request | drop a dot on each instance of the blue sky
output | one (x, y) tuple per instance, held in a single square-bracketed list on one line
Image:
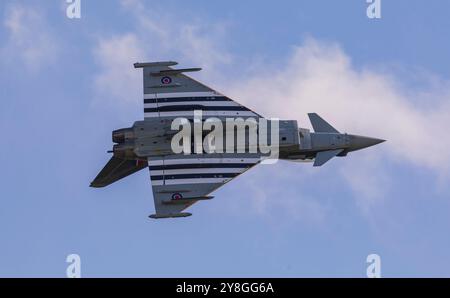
[(66, 84)]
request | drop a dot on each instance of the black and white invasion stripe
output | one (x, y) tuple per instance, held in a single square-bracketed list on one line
[(183, 104), (198, 170)]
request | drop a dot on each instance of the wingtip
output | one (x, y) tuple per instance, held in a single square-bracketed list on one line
[(154, 64), (95, 185), (170, 215)]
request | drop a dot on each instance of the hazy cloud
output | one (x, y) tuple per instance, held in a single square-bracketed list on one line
[(29, 39), (320, 77), (166, 36), (155, 38), (118, 80)]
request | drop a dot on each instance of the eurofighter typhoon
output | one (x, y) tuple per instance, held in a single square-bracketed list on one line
[(194, 139)]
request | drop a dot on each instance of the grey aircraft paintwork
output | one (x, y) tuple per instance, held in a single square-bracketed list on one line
[(179, 180)]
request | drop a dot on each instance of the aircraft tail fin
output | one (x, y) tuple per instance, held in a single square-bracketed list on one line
[(321, 125)]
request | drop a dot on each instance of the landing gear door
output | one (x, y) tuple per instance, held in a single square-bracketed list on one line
[(305, 139)]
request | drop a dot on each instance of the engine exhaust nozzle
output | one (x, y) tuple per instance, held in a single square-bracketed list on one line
[(122, 135)]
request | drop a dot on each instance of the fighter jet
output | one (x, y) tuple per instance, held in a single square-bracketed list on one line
[(180, 179)]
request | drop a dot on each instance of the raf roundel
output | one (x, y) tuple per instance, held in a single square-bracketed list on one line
[(177, 196), (166, 80)]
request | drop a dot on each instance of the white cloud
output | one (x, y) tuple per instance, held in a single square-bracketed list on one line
[(368, 179), (320, 78), (155, 38), (165, 35), (30, 40), (118, 79)]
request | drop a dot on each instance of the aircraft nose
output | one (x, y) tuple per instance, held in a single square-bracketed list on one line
[(360, 142)]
